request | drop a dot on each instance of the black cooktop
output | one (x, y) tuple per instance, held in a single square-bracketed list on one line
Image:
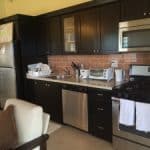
[(136, 89)]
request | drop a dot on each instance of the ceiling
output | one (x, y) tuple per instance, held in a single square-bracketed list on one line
[(34, 7)]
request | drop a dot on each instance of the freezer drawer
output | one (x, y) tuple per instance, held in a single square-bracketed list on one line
[(75, 109), (7, 84)]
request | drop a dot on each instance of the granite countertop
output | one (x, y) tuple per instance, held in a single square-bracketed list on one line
[(107, 85)]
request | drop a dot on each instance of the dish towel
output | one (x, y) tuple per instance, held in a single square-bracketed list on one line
[(143, 117), (127, 112)]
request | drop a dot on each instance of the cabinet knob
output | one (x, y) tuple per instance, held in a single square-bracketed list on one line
[(94, 51), (145, 13), (149, 13)]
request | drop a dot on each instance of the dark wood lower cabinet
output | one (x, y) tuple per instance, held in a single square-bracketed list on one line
[(48, 95), (100, 114), (29, 90)]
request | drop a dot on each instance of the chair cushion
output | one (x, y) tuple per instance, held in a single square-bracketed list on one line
[(29, 119), (8, 131)]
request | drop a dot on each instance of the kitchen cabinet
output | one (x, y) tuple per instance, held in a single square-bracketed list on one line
[(89, 31), (99, 29), (134, 9), (29, 90), (41, 37), (100, 113), (54, 34), (109, 20), (70, 33), (48, 95)]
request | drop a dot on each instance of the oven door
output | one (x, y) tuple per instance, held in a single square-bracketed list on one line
[(121, 133), (135, 38)]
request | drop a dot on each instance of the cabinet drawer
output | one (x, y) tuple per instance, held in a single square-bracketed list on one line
[(99, 129), (99, 106), (99, 118), (102, 130)]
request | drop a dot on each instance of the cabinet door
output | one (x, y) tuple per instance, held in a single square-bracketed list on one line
[(70, 33), (40, 94), (29, 90), (89, 32), (41, 37), (134, 9), (54, 101), (54, 35), (48, 95), (25, 33), (110, 15)]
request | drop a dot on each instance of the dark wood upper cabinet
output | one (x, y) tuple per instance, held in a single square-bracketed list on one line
[(92, 30), (70, 29), (109, 20), (134, 9), (54, 35), (41, 37), (89, 31)]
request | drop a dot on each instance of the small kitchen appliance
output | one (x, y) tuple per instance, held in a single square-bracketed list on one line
[(101, 74), (84, 73), (119, 75), (134, 35)]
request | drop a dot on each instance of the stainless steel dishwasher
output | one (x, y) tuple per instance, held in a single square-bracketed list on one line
[(75, 106)]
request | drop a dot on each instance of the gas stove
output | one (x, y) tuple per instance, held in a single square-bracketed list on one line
[(138, 87)]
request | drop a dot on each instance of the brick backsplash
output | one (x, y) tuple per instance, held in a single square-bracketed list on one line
[(59, 63)]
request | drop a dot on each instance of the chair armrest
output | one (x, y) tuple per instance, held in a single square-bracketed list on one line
[(34, 143)]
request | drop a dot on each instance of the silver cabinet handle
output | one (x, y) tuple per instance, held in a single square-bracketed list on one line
[(94, 51), (99, 94), (149, 13), (100, 127), (100, 109), (145, 13)]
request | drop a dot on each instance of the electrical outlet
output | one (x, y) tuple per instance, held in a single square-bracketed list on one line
[(114, 63)]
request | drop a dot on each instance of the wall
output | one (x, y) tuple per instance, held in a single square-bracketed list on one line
[(2, 8), (59, 63), (34, 7)]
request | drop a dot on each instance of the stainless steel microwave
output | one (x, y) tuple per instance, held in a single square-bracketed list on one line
[(134, 35)]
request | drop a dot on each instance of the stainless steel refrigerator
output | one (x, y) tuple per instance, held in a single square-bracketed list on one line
[(7, 64)]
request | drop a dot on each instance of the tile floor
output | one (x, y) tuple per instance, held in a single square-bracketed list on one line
[(67, 138)]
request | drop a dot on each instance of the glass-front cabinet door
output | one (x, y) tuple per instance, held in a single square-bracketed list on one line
[(69, 34)]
